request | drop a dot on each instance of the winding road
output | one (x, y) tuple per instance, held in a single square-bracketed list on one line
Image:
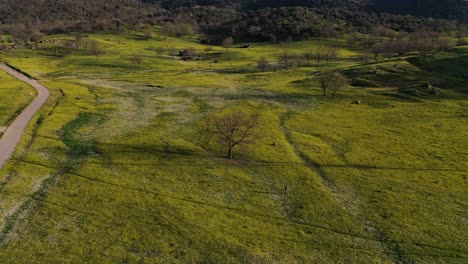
[(15, 130)]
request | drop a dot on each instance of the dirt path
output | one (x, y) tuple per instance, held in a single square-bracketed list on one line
[(15, 130)]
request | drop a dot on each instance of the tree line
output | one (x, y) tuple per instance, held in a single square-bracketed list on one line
[(247, 20)]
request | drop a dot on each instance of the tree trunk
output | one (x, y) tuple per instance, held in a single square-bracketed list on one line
[(324, 92), (229, 155)]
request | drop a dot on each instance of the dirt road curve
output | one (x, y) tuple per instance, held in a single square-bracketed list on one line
[(13, 133)]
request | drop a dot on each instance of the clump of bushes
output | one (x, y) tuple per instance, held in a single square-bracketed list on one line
[(427, 89)]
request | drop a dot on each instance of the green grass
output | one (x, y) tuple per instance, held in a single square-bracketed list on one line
[(14, 96), (116, 171)]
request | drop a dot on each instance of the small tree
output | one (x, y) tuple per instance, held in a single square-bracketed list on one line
[(148, 32), (228, 43), (287, 59), (96, 49), (137, 59), (330, 53), (263, 64), (364, 57), (232, 129), (308, 56), (334, 81), (324, 80), (319, 55), (337, 82)]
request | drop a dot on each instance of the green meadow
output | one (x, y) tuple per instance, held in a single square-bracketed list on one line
[(115, 169), (14, 96)]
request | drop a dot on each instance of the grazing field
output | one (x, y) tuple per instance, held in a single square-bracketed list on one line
[(115, 168), (14, 96)]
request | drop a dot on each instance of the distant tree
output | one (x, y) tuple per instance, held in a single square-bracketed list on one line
[(329, 53), (95, 49), (319, 55), (137, 59), (377, 49), (324, 80), (263, 64), (299, 60), (178, 29), (337, 82), (364, 57), (334, 81), (20, 33), (232, 129), (228, 43), (444, 44), (148, 32), (308, 56), (460, 35), (286, 59)]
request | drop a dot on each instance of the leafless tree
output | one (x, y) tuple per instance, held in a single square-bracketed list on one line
[(444, 44), (232, 129), (287, 59), (319, 54), (364, 57), (228, 43), (148, 32), (325, 80), (334, 81), (308, 56), (137, 59), (377, 49), (330, 53), (299, 60), (96, 49), (263, 64), (337, 82)]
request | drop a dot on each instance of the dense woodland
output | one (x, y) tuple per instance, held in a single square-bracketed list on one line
[(257, 20)]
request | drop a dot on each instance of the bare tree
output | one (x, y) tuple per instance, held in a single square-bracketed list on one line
[(330, 53), (263, 64), (337, 82), (20, 34), (232, 129), (287, 59), (334, 81), (228, 43), (96, 49), (137, 59), (364, 57), (148, 32), (299, 60), (444, 44), (377, 49), (308, 56), (319, 54), (325, 80)]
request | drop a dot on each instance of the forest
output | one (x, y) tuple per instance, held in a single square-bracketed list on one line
[(248, 20)]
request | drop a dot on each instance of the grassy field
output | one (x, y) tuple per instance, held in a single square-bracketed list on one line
[(14, 96), (114, 170)]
